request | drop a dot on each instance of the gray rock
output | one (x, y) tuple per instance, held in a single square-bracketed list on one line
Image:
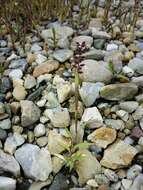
[(138, 183), (3, 134), (138, 114), (80, 39), (5, 124), (138, 81), (89, 92), (100, 34), (9, 164), (92, 118), (12, 142), (63, 43), (129, 106), (117, 92), (128, 71), (35, 162), (137, 65), (7, 183), (111, 47), (39, 185), (134, 171), (115, 123), (5, 85), (94, 54), (29, 82), (15, 74), (40, 58), (61, 32), (18, 64), (30, 113), (111, 175), (101, 179), (99, 43), (95, 72), (62, 55), (59, 117), (39, 130), (35, 48)]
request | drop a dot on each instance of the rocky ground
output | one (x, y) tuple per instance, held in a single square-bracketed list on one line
[(37, 105)]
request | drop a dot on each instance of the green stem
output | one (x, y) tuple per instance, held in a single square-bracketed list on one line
[(76, 102)]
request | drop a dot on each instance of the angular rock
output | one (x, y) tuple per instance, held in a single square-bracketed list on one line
[(57, 143), (40, 58), (45, 67), (95, 72), (29, 82), (89, 92), (12, 142), (117, 92), (103, 136), (15, 74), (80, 39), (59, 117), (118, 155), (100, 34), (63, 91), (115, 123), (138, 81), (35, 162), (5, 124), (18, 64), (92, 118), (62, 55), (9, 164), (7, 183), (87, 166), (19, 92), (30, 113)]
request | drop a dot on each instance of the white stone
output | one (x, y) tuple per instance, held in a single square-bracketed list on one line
[(40, 58), (29, 82), (15, 74), (111, 47), (128, 71), (7, 183), (92, 118), (39, 130)]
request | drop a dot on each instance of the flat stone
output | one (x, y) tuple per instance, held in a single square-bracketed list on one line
[(94, 71), (100, 34), (89, 92), (87, 166), (117, 92), (30, 113), (35, 162), (62, 55), (129, 106), (118, 155), (40, 58), (138, 81), (115, 123), (94, 54), (7, 183), (19, 64), (92, 118), (59, 117), (138, 183), (39, 130), (46, 67), (80, 39), (103, 136), (9, 164)]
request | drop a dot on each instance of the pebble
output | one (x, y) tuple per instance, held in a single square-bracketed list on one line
[(19, 92), (134, 171), (29, 82), (39, 130), (5, 124), (62, 55), (15, 74), (111, 47)]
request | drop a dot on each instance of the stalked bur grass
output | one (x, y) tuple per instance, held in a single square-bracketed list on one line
[(77, 69)]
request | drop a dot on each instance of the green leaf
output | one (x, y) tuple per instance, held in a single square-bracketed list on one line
[(82, 145)]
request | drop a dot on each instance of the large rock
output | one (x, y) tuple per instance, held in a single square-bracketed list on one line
[(118, 155), (103, 136), (92, 118), (9, 164), (35, 162), (57, 143), (60, 31), (117, 92), (7, 183), (89, 92), (94, 71), (30, 113), (80, 39), (59, 117), (62, 55), (45, 67), (137, 65), (87, 166)]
